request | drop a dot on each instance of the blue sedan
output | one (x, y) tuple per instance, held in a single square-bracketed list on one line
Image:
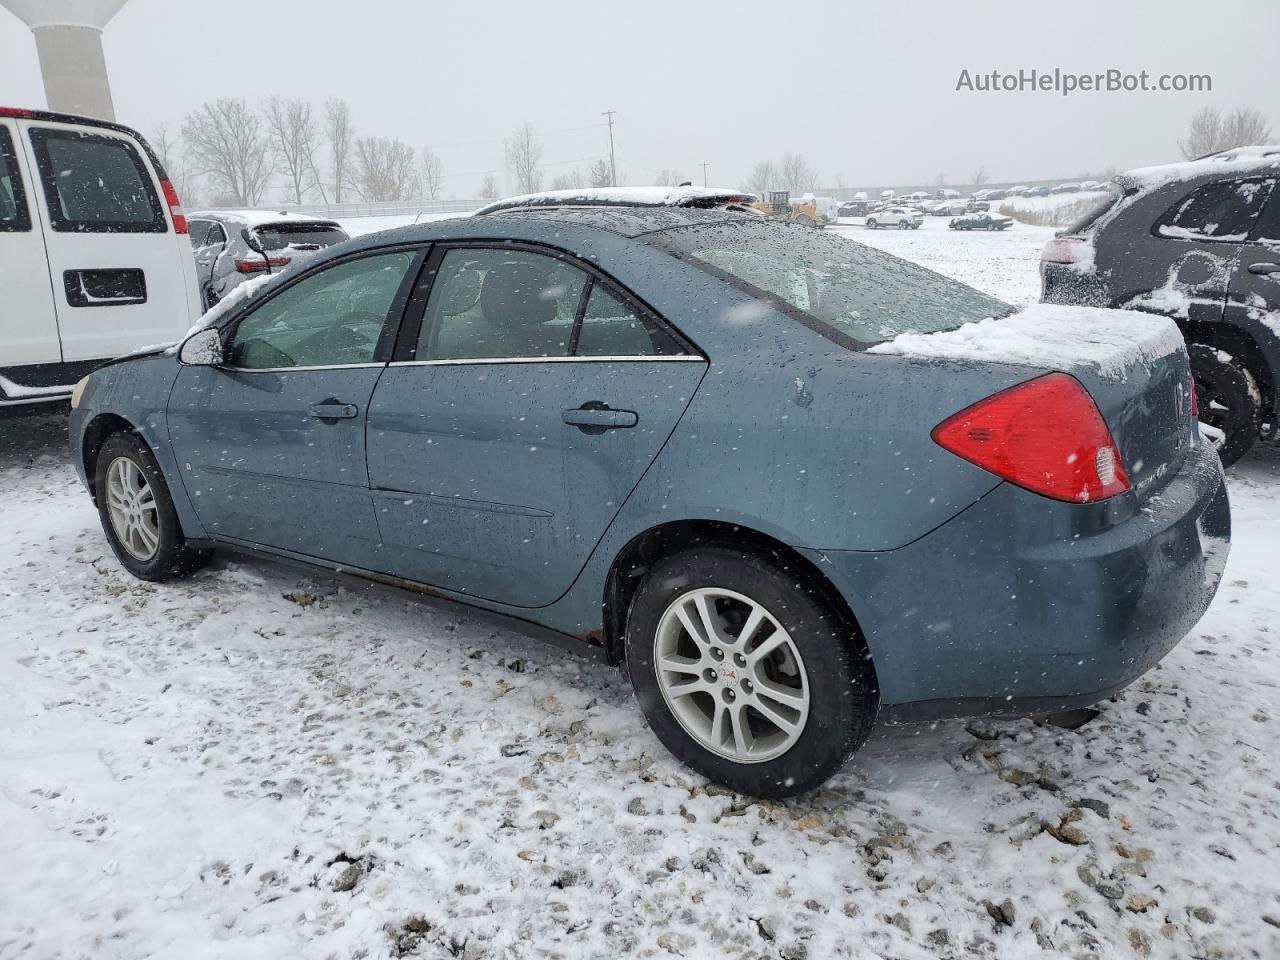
[(736, 455)]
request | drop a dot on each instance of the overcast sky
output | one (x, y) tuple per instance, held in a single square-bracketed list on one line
[(865, 90)]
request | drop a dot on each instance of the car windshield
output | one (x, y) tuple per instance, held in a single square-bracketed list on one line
[(856, 292), (277, 236)]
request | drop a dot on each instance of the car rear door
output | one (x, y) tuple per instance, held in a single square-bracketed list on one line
[(272, 441), (122, 277), (28, 321), (516, 420), (1253, 301)]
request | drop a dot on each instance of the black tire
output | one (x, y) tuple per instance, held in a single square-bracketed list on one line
[(841, 680), (1228, 398), (172, 557), (871, 223), (209, 298)]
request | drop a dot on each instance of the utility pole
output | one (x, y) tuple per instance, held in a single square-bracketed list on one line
[(613, 164), (705, 164)]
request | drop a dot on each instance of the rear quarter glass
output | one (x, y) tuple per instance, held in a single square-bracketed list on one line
[(854, 294)]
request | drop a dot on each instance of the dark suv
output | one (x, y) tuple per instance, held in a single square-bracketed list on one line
[(1199, 242)]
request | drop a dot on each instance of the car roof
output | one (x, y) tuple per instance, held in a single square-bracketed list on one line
[(257, 218), (681, 196), (1260, 158)]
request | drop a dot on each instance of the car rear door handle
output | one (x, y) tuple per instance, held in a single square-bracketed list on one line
[(334, 410), (1264, 268), (597, 417)]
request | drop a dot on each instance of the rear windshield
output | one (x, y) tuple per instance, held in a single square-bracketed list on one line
[(1093, 213), (858, 295), (276, 236)]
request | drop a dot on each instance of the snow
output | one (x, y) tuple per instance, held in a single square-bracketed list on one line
[(1239, 160), (16, 391), (182, 766), (1051, 335), (258, 218), (641, 196), (238, 295)]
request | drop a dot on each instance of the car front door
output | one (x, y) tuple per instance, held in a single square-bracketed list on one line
[(272, 441), (517, 419)]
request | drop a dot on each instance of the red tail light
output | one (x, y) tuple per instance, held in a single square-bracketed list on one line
[(1045, 435), (258, 265), (18, 112), (1195, 401), (1063, 250), (175, 207)]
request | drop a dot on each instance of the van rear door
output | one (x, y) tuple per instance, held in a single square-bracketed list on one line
[(122, 278), (28, 322)]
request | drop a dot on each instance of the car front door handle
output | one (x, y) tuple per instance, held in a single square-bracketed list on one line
[(597, 417), (1263, 269), (334, 410)]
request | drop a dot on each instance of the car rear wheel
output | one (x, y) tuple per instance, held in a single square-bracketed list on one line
[(871, 223), (904, 224), (745, 671), (137, 512), (1229, 401)]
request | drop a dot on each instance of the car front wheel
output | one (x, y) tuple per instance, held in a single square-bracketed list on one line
[(871, 223), (746, 672), (137, 512)]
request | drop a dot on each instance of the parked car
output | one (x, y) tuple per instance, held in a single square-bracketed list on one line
[(93, 258), (739, 540), (1065, 188), (902, 217), (854, 208), (994, 195), (975, 206), (230, 246), (981, 220), (950, 208), (1037, 192), (1199, 242), (1018, 190)]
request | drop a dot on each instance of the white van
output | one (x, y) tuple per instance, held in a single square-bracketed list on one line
[(94, 258)]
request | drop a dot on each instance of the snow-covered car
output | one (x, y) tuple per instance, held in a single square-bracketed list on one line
[(572, 419), (854, 208), (230, 246), (1071, 187), (951, 207), (94, 261), (981, 220), (904, 218), (1197, 241)]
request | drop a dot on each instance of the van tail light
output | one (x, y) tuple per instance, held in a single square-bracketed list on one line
[(175, 206), (258, 265), (1045, 435), (19, 112), (1064, 250)]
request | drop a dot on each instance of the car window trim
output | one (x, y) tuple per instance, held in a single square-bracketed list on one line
[(1163, 218), (22, 211), (40, 136), (390, 326), (407, 342)]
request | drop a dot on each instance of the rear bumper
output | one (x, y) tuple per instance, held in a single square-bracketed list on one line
[(1022, 604), (1064, 283)]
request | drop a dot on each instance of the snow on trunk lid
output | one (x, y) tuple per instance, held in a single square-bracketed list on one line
[(1134, 365)]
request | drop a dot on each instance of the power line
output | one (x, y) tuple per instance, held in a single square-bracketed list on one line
[(613, 166)]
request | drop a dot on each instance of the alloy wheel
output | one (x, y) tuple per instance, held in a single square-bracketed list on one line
[(131, 505), (731, 675)]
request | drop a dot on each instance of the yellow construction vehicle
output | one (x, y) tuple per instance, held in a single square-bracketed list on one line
[(780, 206)]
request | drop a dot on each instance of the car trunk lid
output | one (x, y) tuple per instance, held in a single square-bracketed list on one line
[(1134, 366)]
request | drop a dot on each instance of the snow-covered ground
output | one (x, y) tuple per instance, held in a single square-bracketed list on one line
[(263, 763)]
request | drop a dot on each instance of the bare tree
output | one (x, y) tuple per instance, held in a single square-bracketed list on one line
[(226, 140), (432, 173), (669, 178), (573, 180), (165, 145), (601, 174), (762, 178), (980, 176), (941, 180), (1212, 132), (524, 153), (383, 168), (796, 174), (489, 187), (341, 133), (293, 129)]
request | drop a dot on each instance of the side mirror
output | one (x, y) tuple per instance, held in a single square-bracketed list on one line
[(251, 241), (202, 349)]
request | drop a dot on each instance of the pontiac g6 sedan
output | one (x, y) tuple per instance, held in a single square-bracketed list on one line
[(792, 482)]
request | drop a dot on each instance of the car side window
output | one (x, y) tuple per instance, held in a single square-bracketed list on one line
[(216, 234), (96, 184), (610, 328), (500, 303), (14, 217), (198, 233), (1267, 229), (1225, 210), (333, 317)]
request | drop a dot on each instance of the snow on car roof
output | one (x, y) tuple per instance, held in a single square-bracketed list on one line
[(623, 197), (1238, 159), (258, 218)]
